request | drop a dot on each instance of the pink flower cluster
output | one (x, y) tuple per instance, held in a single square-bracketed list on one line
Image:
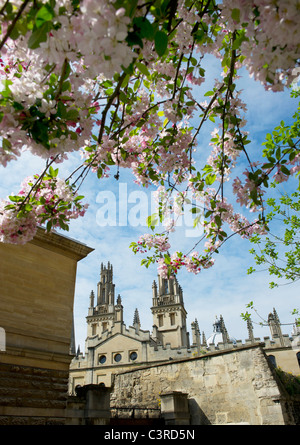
[(243, 192), (225, 213), (193, 263), (95, 72), (158, 242), (271, 47), (91, 45), (53, 201), (16, 230)]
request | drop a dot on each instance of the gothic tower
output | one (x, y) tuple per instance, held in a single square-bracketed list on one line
[(105, 313), (275, 326), (169, 314)]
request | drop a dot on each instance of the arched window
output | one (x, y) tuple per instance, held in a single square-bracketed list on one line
[(298, 357), (166, 289), (272, 360)]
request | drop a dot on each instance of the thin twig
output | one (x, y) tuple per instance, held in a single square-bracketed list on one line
[(13, 23)]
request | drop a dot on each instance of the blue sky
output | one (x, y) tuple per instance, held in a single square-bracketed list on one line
[(224, 289)]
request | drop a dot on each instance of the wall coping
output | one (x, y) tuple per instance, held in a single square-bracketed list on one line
[(205, 356), (60, 243)]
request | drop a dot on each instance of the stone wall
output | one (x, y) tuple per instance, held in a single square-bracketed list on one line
[(36, 315), (226, 387), (32, 396)]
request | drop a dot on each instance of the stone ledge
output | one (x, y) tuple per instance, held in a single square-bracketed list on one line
[(62, 244), (205, 356)]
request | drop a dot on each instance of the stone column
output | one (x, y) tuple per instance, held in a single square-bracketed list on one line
[(175, 408), (91, 406)]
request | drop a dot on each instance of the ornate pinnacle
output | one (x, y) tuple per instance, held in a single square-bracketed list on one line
[(136, 318)]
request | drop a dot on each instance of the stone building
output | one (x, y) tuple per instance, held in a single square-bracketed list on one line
[(113, 348), (164, 373), (36, 319)]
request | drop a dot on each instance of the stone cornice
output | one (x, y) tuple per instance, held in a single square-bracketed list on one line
[(61, 244)]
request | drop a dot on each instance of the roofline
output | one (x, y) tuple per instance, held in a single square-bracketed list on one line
[(61, 244)]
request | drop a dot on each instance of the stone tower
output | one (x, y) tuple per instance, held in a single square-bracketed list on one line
[(275, 327), (169, 314), (105, 313)]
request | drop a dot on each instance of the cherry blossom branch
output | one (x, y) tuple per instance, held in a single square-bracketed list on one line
[(108, 105), (13, 23)]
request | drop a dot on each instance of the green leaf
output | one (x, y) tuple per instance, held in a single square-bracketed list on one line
[(152, 220), (161, 42), (235, 14), (134, 39), (53, 172), (167, 259), (45, 14), (6, 92), (15, 198), (28, 207), (78, 198), (39, 35), (285, 170), (145, 27), (218, 220), (142, 68), (210, 179), (6, 144), (49, 225), (72, 115)]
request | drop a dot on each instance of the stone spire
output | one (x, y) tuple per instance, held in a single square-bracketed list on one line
[(154, 294), (224, 330), (92, 299), (196, 333), (106, 287), (275, 326), (250, 330), (103, 312), (119, 310), (136, 321), (136, 318)]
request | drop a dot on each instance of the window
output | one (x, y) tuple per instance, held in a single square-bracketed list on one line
[(172, 319), (160, 320), (94, 329), (104, 326), (166, 290), (117, 358), (298, 357), (272, 360), (102, 359), (133, 355)]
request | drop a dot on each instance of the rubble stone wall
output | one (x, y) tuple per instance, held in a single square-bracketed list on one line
[(227, 387)]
